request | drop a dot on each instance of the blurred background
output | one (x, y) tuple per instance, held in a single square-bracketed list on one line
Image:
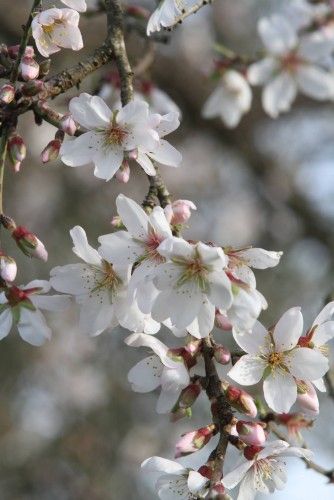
[(70, 428)]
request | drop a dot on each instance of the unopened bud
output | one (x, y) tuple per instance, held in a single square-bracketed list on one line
[(32, 87), (123, 173), (7, 94), (308, 399), (179, 211), (44, 67), (13, 51), (29, 68), (29, 243), (251, 451), (189, 395), (7, 222), (8, 268), (240, 400), (194, 440), (68, 125), (117, 223), (222, 321), (218, 492), (179, 413), (51, 151), (17, 151), (251, 433), (221, 354)]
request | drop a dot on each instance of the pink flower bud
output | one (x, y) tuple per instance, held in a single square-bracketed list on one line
[(194, 440), (251, 433), (179, 211), (240, 400), (51, 151), (8, 268), (308, 399), (29, 68), (13, 51), (68, 125), (189, 395), (116, 222), (29, 243), (222, 321), (7, 94), (17, 151), (221, 354), (32, 87), (123, 173)]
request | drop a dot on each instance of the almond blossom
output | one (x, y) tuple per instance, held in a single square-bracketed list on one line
[(100, 288), (292, 64), (163, 368), (176, 481), (166, 14), (264, 470), (230, 100), (54, 28), (275, 356), (113, 136), (20, 307), (191, 284), (138, 244)]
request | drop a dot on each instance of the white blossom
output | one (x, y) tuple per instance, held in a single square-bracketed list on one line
[(265, 472), (20, 307), (113, 136), (100, 288), (292, 64), (191, 284), (176, 482), (138, 244), (275, 356), (162, 369), (230, 100), (79, 5), (166, 14), (54, 28)]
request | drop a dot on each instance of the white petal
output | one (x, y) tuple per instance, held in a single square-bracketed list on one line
[(323, 333), (32, 327), (315, 47), (253, 342), (315, 82), (288, 330), (82, 248), (145, 163), (96, 314), (6, 321), (90, 111), (44, 285), (166, 154), (307, 364), (133, 217), (319, 384), (51, 302), (69, 279), (166, 401), (248, 370), (260, 258), (220, 293), (160, 349), (173, 379), (80, 150), (157, 464), (176, 247), (277, 34), (159, 222), (145, 375), (204, 322), (326, 314), (120, 248), (262, 71), (107, 162), (196, 481), (234, 477), (79, 5), (247, 487), (279, 94), (280, 391)]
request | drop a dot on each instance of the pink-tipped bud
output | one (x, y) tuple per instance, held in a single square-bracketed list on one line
[(251, 451), (123, 173), (222, 321), (179, 211), (7, 94), (189, 395), (68, 125), (8, 268), (29, 68), (117, 223), (32, 87), (218, 492), (308, 399), (194, 440), (251, 433), (221, 354), (51, 151), (179, 413), (29, 243), (17, 151), (13, 51), (240, 400)]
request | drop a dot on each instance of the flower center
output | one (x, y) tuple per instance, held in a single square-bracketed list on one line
[(290, 62), (48, 29), (276, 359), (152, 244), (194, 270), (114, 135)]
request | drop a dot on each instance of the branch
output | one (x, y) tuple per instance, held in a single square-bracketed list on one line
[(222, 414)]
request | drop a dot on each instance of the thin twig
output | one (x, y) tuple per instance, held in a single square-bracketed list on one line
[(3, 155)]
